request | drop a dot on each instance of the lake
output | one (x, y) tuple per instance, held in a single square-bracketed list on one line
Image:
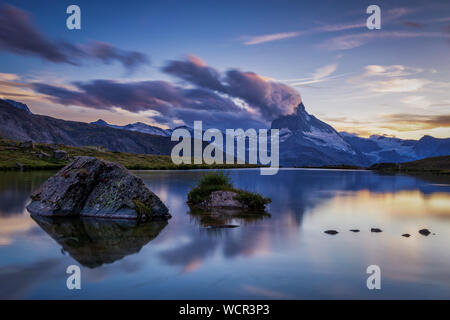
[(282, 255)]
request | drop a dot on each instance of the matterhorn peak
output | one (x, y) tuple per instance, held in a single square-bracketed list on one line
[(300, 108)]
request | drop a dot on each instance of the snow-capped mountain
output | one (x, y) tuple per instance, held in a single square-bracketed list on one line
[(191, 130), (389, 149), (304, 139), (138, 126), (308, 141)]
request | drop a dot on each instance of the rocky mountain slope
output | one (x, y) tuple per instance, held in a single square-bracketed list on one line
[(137, 126), (18, 124), (308, 141), (388, 149), (304, 139)]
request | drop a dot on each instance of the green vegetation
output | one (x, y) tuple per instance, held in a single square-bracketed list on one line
[(143, 211), (219, 181), (435, 165), (40, 157)]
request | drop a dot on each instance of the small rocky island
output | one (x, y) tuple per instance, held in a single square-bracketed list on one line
[(215, 190), (89, 187)]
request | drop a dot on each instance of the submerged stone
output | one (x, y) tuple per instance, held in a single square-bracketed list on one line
[(96, 188), (424, 232)]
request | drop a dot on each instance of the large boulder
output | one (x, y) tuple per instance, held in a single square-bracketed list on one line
[(96, 188), (27, 145), (60, 155)]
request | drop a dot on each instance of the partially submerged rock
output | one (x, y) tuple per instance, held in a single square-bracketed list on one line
[(354, 230), (424, 232), (376, 230), (332, 232), (96, 188), (215, 190), (223, 199), (406, 235)]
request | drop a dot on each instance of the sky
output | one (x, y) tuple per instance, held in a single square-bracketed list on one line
[(232, 63)]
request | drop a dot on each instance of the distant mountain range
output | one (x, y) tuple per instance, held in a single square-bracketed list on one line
[(18, 124), (388, 149), (304, 139), (143, 127), (138, 126)]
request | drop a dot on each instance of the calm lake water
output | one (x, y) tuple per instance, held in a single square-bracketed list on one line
[(282, 256)]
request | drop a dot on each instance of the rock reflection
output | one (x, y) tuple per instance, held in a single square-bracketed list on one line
[(225, 218), (94, 242)]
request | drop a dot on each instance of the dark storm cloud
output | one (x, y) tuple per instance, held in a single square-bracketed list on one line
[(19, 35), (204, 99), (211, 98), (171, 102), (220, 120), (108, 53), (270, 98), (66, 97), (108, 94), (195, 71), (132, 96)]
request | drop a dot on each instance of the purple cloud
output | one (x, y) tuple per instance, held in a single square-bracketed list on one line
[(171, 103), (195, 71), (19, 35), (270, 98)]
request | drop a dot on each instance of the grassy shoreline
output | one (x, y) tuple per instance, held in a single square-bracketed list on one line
[(433, 165), (14, 157)]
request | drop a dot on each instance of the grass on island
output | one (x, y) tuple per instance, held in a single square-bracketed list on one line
[(40, 157), (219, 181)]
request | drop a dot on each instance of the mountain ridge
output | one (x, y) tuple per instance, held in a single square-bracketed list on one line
[(17, 124), (304, 139)]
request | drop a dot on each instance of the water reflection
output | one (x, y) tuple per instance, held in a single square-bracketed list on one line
[(284, 255), (94, 242), (15, 189), (219, 218)]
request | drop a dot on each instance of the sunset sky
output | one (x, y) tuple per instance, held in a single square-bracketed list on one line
[(232, 63)]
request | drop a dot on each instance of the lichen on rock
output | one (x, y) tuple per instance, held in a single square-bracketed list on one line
[(92, 187)]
